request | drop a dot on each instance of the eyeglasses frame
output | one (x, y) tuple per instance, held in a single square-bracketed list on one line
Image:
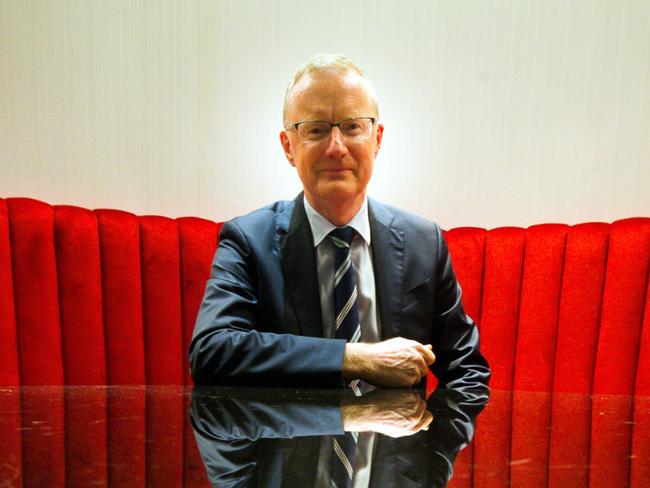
[(373, 120)]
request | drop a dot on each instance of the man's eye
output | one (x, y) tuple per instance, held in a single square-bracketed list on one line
[(351, 128), (316, 130)]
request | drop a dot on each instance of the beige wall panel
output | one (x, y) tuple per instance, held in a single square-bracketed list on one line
[(496, 112)]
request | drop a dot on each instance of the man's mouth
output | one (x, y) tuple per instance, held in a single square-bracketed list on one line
[(335, 170)]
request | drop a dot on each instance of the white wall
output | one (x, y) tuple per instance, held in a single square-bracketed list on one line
[(510, 112)]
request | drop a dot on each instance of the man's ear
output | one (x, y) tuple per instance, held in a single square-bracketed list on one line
[(286, 145), (380, 135)]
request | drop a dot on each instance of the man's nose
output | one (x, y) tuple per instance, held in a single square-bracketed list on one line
[(336, 147)]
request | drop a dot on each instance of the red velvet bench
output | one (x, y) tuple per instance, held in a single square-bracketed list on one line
[(105, 297)]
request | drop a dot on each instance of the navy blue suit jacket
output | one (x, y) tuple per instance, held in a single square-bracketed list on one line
[(260, 319)]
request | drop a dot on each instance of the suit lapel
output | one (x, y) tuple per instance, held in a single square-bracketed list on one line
[(298, 258), (387, 244)]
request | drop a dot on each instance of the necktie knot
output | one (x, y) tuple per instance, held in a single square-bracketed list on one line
[(342, 236)]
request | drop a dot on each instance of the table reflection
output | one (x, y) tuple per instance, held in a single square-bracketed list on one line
[(284, 439), (142, 436)]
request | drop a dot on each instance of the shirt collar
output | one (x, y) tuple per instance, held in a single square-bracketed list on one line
[(320, 226)]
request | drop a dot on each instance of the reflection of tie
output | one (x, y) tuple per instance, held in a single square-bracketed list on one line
[(346, 310), (344, 447)]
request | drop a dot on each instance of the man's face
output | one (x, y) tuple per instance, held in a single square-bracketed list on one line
[(335, 170)]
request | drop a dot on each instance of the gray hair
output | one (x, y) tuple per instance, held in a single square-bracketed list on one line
[(323, 62)]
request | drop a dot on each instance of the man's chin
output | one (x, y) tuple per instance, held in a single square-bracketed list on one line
[(338, 190), (345, 176)]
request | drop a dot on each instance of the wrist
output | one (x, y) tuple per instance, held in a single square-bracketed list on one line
[(355, 361)]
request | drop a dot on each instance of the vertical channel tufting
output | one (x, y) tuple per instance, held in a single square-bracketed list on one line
[(119, 236), (36, 292), (623, 301), (579, 318), (617, 353), (198, 242), (538, 312), (640, 465), (642, 387), (39, 339), (467, 249), (535, 353), (504, 257), (504, 250), (163, 339), (9, 370), (80, 295), (10, 433), (161, 289), (76, 238), (580, 306)]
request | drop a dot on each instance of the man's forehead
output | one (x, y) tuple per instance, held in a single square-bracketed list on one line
[(327, 90)]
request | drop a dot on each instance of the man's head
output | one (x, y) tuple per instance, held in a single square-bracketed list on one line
[(334, 165)]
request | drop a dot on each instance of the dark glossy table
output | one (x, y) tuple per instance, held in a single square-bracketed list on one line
[(160, 436)]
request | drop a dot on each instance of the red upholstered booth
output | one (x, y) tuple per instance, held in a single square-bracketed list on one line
[(105, 297)]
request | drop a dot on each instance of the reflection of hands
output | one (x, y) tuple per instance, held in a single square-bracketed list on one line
[(395, 413), (395, 362)]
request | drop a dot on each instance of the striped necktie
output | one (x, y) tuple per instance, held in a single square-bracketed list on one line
[(348, 327), (346, 310)]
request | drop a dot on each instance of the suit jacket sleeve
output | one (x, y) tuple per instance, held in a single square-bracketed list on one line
[(459, 362), (230, 345)]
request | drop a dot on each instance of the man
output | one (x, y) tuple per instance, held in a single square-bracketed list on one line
[(333, 287)]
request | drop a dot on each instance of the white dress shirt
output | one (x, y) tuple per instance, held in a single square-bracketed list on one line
[(363, 272)]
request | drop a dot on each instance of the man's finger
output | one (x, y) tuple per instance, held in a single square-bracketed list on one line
[(422, 366), (427, 352)]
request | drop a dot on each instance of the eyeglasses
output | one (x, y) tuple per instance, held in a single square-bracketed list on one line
[(352, 130)]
